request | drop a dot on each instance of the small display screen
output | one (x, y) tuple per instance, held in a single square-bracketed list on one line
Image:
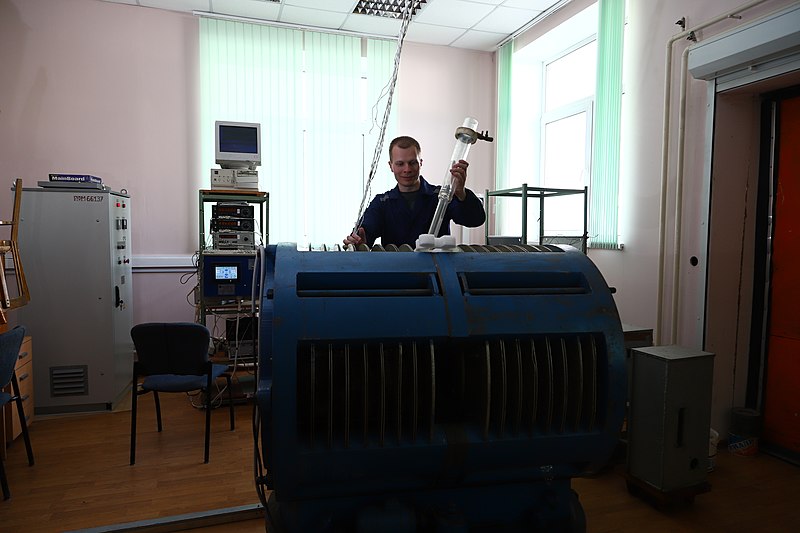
[(226, 272), (238, 139)]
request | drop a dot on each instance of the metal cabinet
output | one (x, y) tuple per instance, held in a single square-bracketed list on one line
[(670, 417), (76, 248)]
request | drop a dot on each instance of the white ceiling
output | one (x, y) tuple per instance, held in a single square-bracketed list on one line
[(471, 24)]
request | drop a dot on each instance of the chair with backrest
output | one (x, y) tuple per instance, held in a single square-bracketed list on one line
[(173, 357), (10, 343)]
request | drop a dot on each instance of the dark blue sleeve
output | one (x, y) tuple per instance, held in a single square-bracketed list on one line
[(373, 220), (468, 212)]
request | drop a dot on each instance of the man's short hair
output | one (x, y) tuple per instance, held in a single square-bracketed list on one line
[(404, 141)]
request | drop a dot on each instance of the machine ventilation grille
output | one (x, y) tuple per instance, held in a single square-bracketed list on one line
[(386, 8), (390, 394), (69, 380)]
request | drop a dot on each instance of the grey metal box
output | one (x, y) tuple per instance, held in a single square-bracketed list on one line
[(75, 246), (670, 416)]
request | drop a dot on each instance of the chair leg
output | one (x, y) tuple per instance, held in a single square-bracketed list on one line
[(23, 424), (4, 481), (208, 413), (134, 402), (230, 400), (158, 410)]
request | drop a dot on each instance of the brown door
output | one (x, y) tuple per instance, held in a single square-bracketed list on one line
[(782, 391)]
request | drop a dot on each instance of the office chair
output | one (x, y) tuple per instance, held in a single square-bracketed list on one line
[(10, 343), (173, 357)]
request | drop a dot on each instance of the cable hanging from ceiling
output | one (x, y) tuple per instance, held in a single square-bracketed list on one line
[(408, 12)]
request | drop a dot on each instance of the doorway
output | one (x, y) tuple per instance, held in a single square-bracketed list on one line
[(774, 386)]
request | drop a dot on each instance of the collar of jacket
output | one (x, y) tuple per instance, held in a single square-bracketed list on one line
[(424, 188)]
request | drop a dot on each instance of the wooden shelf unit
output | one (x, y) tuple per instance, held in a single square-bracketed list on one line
[(10, 427)]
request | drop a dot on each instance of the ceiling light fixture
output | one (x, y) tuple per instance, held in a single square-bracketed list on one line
[(387, 8)]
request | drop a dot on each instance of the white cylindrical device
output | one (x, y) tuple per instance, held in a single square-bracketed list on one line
[(465, 137)]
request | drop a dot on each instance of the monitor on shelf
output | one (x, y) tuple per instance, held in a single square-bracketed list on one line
[(237, 144), (226, 273)]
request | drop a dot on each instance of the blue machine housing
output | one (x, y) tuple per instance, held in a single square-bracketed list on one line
[(405, 391)]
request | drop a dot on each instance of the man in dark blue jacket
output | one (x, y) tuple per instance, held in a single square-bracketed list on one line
[(400, 215)]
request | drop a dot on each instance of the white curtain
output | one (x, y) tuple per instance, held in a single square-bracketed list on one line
[(313, 94)]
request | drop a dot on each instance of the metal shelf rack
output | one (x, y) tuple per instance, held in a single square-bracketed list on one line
[(526, 193), (207, 197)]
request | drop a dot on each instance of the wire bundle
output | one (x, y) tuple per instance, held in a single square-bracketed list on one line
[(389, 92)]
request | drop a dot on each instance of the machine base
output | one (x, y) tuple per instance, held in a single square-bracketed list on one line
[(661, 499), (547, 506)]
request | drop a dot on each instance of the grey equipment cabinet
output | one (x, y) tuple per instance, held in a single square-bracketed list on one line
[(75, 245), (670, 417)]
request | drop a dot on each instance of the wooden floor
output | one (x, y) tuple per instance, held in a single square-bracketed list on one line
[(82, 479)]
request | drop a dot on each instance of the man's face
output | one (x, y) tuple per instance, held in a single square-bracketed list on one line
[(405, 165)]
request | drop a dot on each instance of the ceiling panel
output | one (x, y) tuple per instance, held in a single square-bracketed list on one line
[(473, 24), (430, 34), (478, 40), (372, 25), (454, 13), (178, 5), (536, 5), (305, 16), (342, 6), (257, 9), (505, 20)]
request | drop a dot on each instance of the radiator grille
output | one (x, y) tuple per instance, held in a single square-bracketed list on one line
[(374, 394), (69, 380), (388, 394)]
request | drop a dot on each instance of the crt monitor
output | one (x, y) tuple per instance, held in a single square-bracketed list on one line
[(237, 144)]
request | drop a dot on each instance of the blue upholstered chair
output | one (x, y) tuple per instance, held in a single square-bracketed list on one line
[(173, 357), (10, 343)]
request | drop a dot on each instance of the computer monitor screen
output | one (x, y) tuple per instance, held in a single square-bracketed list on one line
[(237, 144), (226, 272)]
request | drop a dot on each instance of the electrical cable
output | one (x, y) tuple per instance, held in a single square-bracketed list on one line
[(407, 14), (258, 466), (186, 276)]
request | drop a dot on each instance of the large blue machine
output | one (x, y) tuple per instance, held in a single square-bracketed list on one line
[(447, 392)]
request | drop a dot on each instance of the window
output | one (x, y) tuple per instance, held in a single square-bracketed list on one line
[(313, 94), (558, 104)]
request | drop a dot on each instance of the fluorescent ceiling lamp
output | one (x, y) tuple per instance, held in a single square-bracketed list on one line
[(387, 8)]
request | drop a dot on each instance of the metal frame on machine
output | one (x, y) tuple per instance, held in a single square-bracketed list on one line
[(525, 193)]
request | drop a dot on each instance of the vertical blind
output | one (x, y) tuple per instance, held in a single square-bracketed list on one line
[(504, 56), (604, 192), (504, 70), (312, 93)]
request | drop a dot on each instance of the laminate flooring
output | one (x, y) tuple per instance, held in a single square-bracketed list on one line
[(82, 479)]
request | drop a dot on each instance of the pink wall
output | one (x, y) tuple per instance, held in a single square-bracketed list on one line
[(112, 90), (634, 271), (108, 90), (432, 102)]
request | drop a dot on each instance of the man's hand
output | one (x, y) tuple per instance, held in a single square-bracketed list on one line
[(356, 238), (459, 173)]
